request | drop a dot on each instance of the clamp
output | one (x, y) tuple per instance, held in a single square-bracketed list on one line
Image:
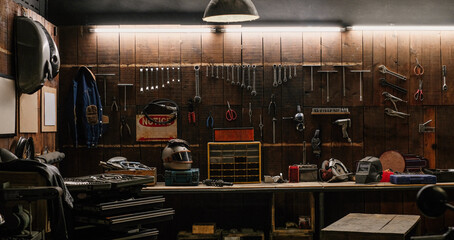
[(393, 99), (424, 129)]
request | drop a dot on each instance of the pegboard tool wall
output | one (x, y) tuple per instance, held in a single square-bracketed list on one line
[(372, 131), (8, 11)]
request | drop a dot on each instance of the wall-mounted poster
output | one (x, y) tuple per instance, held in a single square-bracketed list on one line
[(7, 107), (48, 109)]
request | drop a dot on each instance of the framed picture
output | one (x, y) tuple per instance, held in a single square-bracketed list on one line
[(48, 109), (7, 107)]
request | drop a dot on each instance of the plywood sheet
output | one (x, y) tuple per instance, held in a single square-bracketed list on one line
[(28, 113)]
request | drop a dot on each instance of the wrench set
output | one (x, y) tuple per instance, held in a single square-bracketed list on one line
[(151, 76), (280, 73)]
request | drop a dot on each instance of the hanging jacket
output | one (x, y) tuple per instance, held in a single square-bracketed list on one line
[(86, 118)]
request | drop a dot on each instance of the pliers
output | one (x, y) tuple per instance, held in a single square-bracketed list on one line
[(124, 124), (191, 113), (272, 106), (114, 106), (210, 121)]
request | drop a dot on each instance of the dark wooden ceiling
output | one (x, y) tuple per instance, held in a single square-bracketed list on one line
[(281, 12)]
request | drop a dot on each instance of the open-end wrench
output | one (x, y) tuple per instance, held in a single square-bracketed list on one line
[(294, 70), (285, 73), (162, 77), (141, 80), (289, 72), (238, 70), (197, 97), (222, 71), (151, 81), (360, 82), (178, 74), (233, 75), (274, 76), (249, 87), (253, 92), (227, 73), (217, 71), (157, 78), (168, 77), (384, 83), (385, 70), (207, 70), (243, 84), (279, 79), (212, 70), (443, 72), (173, 74)]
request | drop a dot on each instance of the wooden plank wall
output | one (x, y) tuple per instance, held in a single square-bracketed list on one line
[(9, 10), (372, 131)]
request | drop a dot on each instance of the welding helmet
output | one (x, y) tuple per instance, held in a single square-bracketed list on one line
[(176, 155)]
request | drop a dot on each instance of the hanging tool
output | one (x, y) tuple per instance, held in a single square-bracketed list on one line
[(217, 71), (393, 99), (443, 73), (114, 106), (384, 83), (222, 71), (104, 77), (385, 70), (197, 97), (272, 113), (312, 75), (360, 82), (418, 69), (250, 113), (393, 113), (178, 74), (279, 79), (290, 72), (294, 70), (233, 75), (173, 74), (191, 113), (150, 76), (230, 115), (275, 84), (249, 87), (253, 92), (227, 73), (238, 71), (261, 128), (210, 121), (327, 81), (243, 84), (124, 124), (285, 73), (316, 144), (207, 70), (419, 94), (141, 79), (423, 128), (212, 70), (343, 78), (125, 85), (298, 118), (304, 153), (168, 77), (345, 123), (162, 77), (157, 78)]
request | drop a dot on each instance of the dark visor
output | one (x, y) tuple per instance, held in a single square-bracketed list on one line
[(182, 157)]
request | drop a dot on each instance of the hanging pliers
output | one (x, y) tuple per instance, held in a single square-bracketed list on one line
[(126, 125), (210, 121)]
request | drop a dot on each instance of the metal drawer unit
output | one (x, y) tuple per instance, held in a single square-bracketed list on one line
[(237, 162)]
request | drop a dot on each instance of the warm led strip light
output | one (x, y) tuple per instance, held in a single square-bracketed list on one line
[(151, 30), (285, 29), (401, 28)]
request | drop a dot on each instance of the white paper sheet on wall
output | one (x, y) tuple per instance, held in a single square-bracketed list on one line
[(49, 106), (7, 106)]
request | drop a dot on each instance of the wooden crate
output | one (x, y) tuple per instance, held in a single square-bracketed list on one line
[(356, 226)]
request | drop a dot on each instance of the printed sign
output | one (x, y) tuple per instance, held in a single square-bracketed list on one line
[(149, 131)]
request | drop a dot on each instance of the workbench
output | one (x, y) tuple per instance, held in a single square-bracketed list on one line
[(314, 188)]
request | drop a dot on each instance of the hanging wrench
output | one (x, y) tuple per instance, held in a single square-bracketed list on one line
[(279, 79), (384, 83), (222, 71), (274, 76), (384, 70), (233, 74), (151, 80), (249, 87), (141, 80), (168, 78), (243, 85), (443, 71), (227, 73), (294, 70), (254, 92), (162, 77), (238, 70), (173, 74), (217, 71), (178, 74), (285, 74), (157, 78), (289, 72), (207, 70), (197, 97), (212, 70)]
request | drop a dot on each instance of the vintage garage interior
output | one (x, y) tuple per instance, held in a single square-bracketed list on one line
[(226, 119)]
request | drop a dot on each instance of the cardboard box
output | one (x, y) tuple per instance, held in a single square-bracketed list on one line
[(151, 172), (203, 228)]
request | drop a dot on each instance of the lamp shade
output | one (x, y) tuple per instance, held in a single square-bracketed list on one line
[(230, 11)]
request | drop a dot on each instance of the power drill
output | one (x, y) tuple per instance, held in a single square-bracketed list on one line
[(346, 122)]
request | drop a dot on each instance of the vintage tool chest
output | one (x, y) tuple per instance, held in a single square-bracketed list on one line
[(237, 162)]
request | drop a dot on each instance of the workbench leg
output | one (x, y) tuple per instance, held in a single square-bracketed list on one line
[(321, 210)]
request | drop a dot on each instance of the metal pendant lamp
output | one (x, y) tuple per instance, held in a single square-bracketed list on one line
[(230, 11)]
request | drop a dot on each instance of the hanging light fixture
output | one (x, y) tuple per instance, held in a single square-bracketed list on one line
[(230, 11)]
